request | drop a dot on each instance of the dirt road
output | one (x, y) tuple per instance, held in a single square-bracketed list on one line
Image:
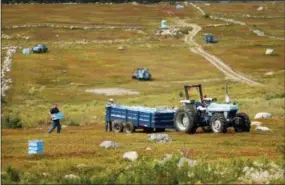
[(218, 63)]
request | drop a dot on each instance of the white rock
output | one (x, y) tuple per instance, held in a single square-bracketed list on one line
[(269, 51), (132, 155), (260, 8), (71, 176), (185, 160), (109, 144), (262, 115), (262, 128), (148, 149), (256, 123), (121, 48), (81, 165), (159, 137), (269, 73), (45, 174)]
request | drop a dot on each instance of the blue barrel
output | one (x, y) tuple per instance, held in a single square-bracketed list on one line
[(163, 24), (36, 147), (209, 38)]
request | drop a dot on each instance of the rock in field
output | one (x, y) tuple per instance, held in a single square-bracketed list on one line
[(185, 160), (159, 137), (260, 8), (71, 176), (132, 155), (109, 144), (269, 51), (263, 115), (256, 123), (259, 128)]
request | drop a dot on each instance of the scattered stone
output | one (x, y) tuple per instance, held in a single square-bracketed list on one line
[(256, 123), (171, 31), (159, 137), (259, 33), (260, 8), (71, 176), (109, 144), (185, 160), (207, 4), (148, 149), (81, 165), (263, 115), (269, 51), (122, 47), (269, 73), (259, 128), (45, 174), (63, 126), (165, 158), (132, 156)]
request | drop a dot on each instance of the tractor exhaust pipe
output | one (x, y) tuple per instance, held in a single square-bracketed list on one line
[(227, 98)]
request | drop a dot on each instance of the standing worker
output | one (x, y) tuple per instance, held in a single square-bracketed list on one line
[(55, 120)]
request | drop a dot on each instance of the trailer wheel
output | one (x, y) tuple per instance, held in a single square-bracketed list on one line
[(117, 126), (218, 123), (242, 123), (184, 121), (129, 127)]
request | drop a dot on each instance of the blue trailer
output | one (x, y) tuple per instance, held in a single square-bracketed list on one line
[(121, 118)]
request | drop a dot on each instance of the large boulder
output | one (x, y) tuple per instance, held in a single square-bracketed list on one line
[(132, 155), (109, 144), (159, 137), (185, 160), (261, 115)]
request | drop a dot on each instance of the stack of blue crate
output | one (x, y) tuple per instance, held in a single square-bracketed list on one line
[(36, 147)]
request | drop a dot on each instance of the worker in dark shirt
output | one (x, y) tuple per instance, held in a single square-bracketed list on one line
[(55, 122)]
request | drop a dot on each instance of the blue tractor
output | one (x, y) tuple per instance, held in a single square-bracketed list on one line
[(209, 38), (142, 74), (211, 116), (40, 48)]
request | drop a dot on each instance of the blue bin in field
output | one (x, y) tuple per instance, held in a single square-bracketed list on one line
[(57, 116), (35, 147), (163, 24)]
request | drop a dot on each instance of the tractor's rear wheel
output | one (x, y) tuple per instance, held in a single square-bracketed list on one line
[(129, 127), (218, 123), (184, 121), (242, 123), (117, 126)]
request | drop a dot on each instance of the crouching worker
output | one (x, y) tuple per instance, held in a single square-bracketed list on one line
[(56, 115)]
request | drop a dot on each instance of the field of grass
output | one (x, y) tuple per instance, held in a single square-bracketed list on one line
[(81, 59)]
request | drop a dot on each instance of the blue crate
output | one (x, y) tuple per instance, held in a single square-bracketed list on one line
[(35, 147), (57, 116)]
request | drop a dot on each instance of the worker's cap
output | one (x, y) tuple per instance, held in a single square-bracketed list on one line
[(111, 100)]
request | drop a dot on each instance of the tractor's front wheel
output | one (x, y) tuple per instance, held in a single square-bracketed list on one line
[(242, 123), (218, 123), (184, 121)]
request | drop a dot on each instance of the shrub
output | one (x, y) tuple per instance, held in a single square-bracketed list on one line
[(275, 96), (207, 15), (71, 123), (13, 174), (11, 121)]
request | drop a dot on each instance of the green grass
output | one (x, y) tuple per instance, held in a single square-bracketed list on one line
[(64, 73)]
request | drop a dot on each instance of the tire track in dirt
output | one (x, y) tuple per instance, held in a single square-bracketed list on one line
[(218, 63)]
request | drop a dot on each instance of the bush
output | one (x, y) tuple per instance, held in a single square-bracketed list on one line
[(13, 174), (11, 121), (71, 123), (185, 30), (207, 15), (275, 96)]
